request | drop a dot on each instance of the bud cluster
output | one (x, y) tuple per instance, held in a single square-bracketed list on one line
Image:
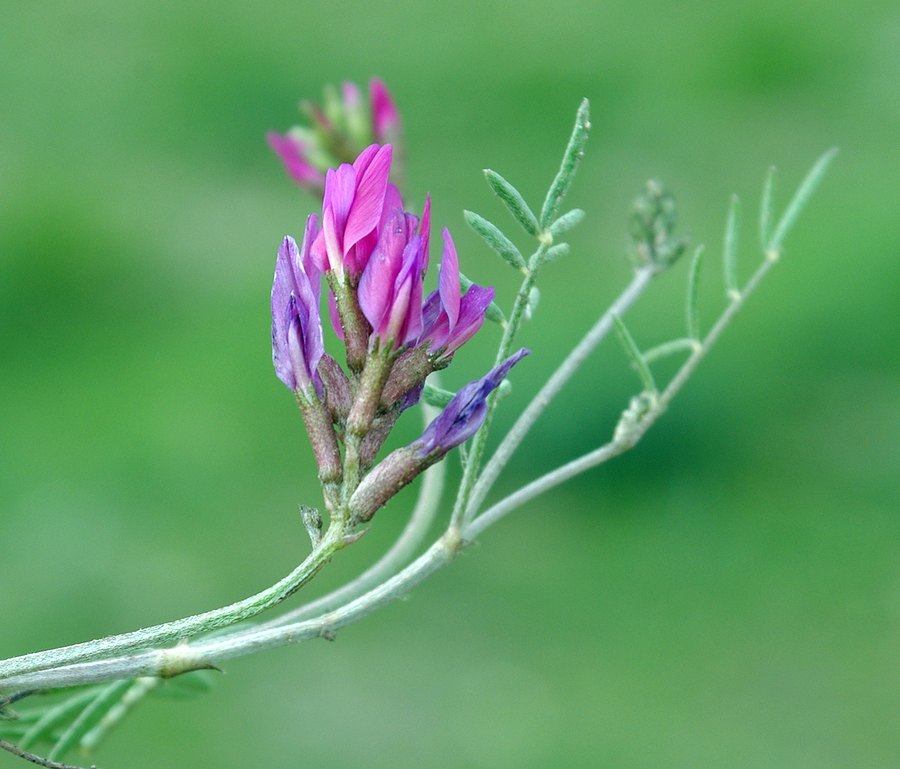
[(373, 254), (652, 224)]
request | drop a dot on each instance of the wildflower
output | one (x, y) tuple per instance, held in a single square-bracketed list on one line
[(390, 290), (449, 321), (297, 343), (465, 413), (339, 130), (351, 211), (293, 149), (458, 422)]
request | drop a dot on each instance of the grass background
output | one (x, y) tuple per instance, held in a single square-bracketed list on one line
[(726, 595)]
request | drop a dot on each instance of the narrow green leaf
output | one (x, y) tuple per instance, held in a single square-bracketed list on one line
[(566, 222), (637, 359), (139, 689), (103, 702), (55, 716), (693, 314), (556, 252), (436, 396), (534, 299), (571, 159), (666, 349), (513, 200), (801, 197), (491, 235), (493, 312), (730, 247), (765, 207)]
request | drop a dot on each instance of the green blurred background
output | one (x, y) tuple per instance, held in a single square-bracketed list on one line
[(728, 595)]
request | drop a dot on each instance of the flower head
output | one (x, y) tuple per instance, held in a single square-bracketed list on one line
[(297, 343), (294, 150), (352, 211), (338, 131)]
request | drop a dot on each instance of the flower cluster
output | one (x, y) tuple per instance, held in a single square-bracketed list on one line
[(338, 130), (374, 255)]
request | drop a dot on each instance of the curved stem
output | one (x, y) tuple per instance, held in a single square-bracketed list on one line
[(187, 627), (161, 662), (473, 460), (626, 441), (410, 539), (551, 389)]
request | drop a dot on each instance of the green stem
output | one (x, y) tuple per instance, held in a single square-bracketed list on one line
[(187, 627), (479, 442)]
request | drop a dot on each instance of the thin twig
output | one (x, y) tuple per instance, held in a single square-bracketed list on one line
[(400, 552), (551, 389), (35, 759)]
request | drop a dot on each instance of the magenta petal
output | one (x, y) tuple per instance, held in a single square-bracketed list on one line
[(369, 198), (385, 117), (364, 159), (376, 287), (343, 185), (448, 281), (331, 236), (425, 230), (293, 155), (471, 316)]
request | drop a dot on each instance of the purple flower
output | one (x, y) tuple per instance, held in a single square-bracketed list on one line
[(297, 343), (462, 417), (337, 132), (449, 321), (352, 211), (459, 421), (390, 290), (294, 153)]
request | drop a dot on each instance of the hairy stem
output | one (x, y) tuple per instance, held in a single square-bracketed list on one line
[(181, 629), (552, 387)]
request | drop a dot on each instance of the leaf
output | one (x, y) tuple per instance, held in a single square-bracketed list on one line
[(513, 200), (637, 359), (693, 315), (566, 222), (556, 252), (436, 396), (54, 716), (103, 701), (139, 689), (798, 202), (491, 235), (570, 162), (729, 248)]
